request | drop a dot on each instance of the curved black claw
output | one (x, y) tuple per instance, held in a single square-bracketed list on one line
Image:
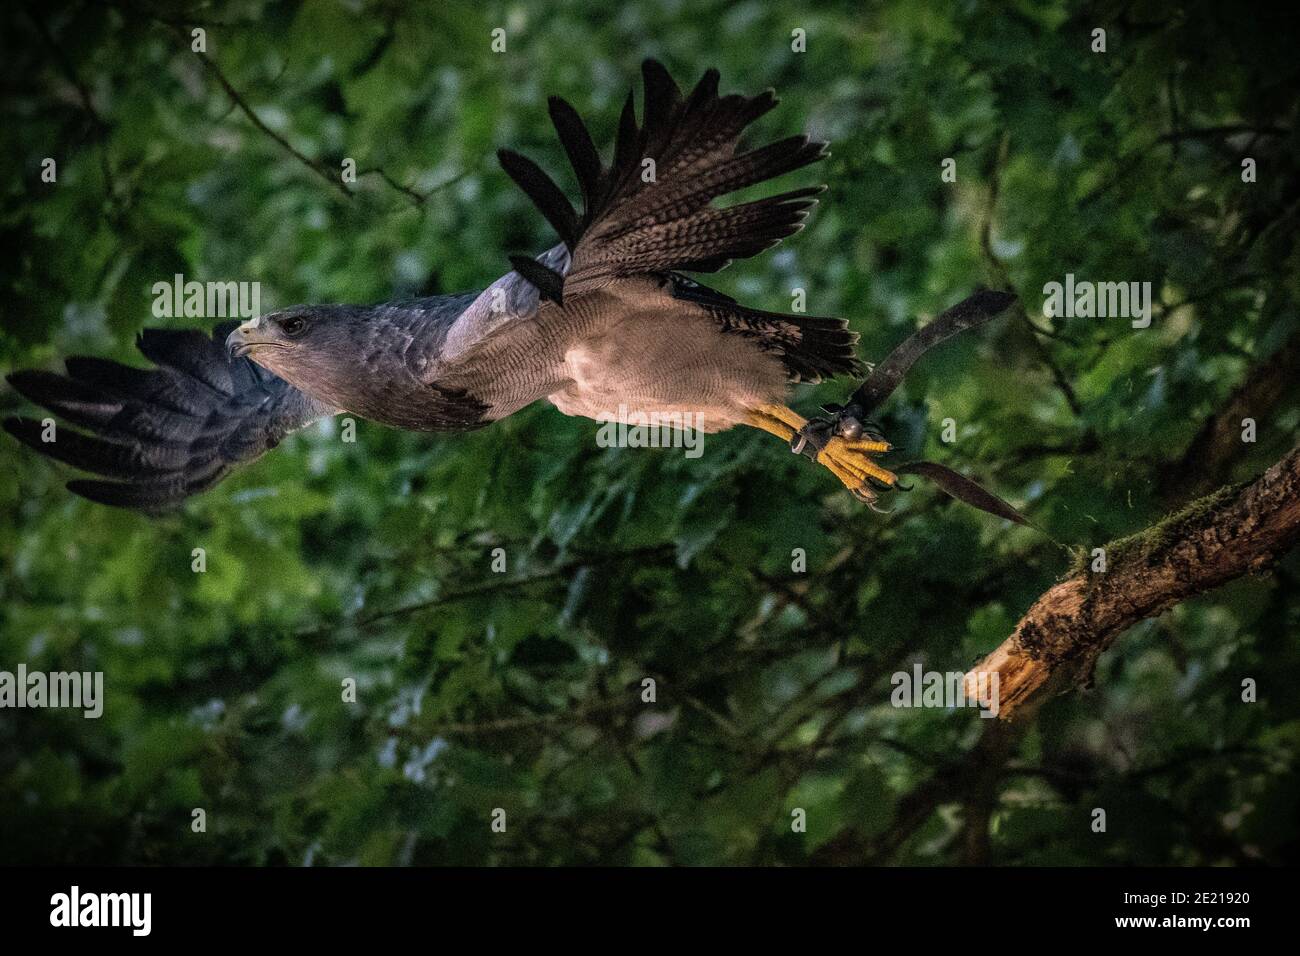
[(879, 484), (869, 493), (865, 495), (868, 497)]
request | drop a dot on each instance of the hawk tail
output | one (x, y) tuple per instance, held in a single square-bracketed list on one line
[(651, 210)]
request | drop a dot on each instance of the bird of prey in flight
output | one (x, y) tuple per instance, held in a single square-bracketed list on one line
[(607, 319)]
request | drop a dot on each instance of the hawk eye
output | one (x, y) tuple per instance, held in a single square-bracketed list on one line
[(293, 325)]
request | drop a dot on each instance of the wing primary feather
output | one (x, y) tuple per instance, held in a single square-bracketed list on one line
[(579, 147), (541, 189), (662, 98), (548, 282), (164, 433), (633, 224), (624, 141)]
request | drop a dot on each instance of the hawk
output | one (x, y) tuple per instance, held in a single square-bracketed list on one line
[(606, 323)]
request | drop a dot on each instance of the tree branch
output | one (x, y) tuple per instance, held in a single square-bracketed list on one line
[(1234, 531), (416, 197), (487, 585), (978, 769), (1217, 445)]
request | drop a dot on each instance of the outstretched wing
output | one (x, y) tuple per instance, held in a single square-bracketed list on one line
[(651, 213), (651, 210), (163, 433)]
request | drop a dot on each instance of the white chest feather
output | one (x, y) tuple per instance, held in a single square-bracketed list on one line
[(671, 367)]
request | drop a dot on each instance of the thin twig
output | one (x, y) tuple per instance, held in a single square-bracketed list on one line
[(248, 111)]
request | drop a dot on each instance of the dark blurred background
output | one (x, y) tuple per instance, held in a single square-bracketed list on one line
[(522, 690)]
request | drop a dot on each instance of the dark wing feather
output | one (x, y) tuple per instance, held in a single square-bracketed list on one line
[(630, 226), (578, 146), (811, 347), (546, 196), (546, 280), (164, 433)]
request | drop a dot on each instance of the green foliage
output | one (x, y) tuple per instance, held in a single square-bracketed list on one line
[(523, 690)]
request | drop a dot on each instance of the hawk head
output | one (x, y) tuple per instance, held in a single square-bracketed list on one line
[(320, 349), (370, 361)]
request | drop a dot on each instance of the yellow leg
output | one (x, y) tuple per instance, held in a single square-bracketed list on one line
[(847, 459), (761, 417), (787, 416)]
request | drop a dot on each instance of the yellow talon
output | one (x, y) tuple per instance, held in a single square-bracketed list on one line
[(865, 445), (840, 465), (848, 459), (850, 478), (854, 456)]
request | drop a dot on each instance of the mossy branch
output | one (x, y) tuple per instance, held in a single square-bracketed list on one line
[(1237, 530)]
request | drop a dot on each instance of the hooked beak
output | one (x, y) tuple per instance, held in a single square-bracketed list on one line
[(244, 339)]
